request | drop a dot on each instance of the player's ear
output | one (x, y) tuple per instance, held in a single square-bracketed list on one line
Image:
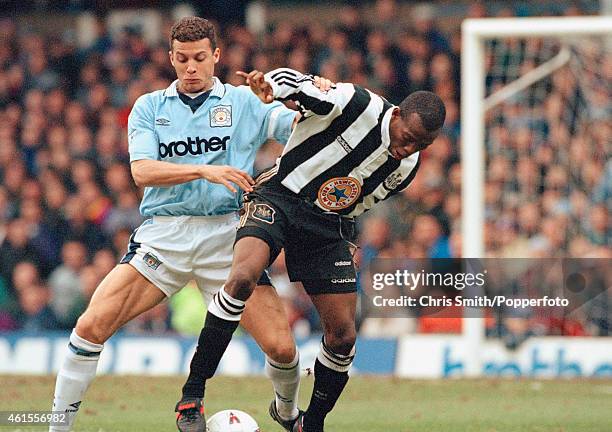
[(217, 54), (171, 58)]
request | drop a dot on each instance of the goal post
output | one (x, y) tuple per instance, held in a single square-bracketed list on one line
[(474, 34), (474, 106)]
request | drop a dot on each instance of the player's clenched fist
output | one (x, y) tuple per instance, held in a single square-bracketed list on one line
[(322, 83), (226, 175)]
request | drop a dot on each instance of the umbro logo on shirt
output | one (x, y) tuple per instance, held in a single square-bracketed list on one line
[(162, 122)]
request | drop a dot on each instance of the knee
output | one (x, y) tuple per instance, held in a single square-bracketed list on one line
[(91, 328), (341, 339), (240, 285), (282, 352)]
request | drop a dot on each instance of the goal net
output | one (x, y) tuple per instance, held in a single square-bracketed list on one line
[(537, 135), (536, 140)]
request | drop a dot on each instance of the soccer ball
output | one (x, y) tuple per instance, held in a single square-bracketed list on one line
[(232, 421)]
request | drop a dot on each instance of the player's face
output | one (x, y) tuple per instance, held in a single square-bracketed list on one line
[(194, 63), (408, 136)]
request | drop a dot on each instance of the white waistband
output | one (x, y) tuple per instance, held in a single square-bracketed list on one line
[(196, 219)]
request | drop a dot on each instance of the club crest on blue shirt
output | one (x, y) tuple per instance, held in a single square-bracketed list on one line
[(221, 116), (151, 260), (339, 193)]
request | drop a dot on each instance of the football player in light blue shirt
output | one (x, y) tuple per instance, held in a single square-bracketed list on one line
[(192, 146), (227, 129)]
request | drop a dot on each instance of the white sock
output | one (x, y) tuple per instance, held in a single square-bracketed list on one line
[(74, 377), (286, 381)]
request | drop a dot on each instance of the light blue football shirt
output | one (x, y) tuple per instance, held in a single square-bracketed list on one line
[(228, 129)]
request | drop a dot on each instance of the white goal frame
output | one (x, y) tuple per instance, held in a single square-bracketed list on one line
[(473, 108)]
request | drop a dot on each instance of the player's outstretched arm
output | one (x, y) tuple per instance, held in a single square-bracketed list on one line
[(256, 81), (147, 172), (289, 84), (313, 93)]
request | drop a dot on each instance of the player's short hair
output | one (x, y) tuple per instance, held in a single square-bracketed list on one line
[(191, 29), (428, 106)]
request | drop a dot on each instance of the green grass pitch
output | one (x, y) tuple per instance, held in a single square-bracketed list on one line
[(135, 404)]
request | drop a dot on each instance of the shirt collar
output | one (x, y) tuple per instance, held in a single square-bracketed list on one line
[(218, 89), (386, 140)]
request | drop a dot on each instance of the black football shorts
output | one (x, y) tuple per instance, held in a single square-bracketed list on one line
[(317, 244)]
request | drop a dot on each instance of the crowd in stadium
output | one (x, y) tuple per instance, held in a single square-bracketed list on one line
[(68, 204)]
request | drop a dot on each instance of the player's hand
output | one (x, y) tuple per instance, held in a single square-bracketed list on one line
[(226, 175), (259, 86), (322, 84)]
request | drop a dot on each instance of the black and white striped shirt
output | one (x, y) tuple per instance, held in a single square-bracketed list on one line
[(338, 154)]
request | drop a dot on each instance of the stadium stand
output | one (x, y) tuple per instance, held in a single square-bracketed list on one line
[(68, 203)]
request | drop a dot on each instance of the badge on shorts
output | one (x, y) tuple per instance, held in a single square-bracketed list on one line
[(151, 260), (221, 116), (339, 193), (264, 213), (392, 181)]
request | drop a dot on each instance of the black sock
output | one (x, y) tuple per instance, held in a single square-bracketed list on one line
[(212, 343), (328, 387)]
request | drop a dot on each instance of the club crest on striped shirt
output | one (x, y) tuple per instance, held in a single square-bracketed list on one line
[(221, 116), (339, 193), (392, 181)]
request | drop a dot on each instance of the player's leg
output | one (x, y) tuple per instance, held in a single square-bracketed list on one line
[(274, 336), (258, 242), (337, 312), (150, 271), (319, 255), (251, 257), (121, 296), (211, 271)]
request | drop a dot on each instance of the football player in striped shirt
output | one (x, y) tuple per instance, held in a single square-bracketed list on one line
[(350, 150)]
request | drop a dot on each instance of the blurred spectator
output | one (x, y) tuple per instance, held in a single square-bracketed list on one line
[(25, 275), (36, 315), (427, 231), (351, 23), (65, 284), (599, 229), (124, 214), (103, 261), (89, 279), (79, 228), (386, 13), (16, 247), (375, 236), (42, 238)]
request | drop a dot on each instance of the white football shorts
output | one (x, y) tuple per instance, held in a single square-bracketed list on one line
[(170, 251)]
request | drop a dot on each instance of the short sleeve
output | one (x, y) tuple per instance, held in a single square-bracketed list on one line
[(279, 121), (142, 139), (275, 120)]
